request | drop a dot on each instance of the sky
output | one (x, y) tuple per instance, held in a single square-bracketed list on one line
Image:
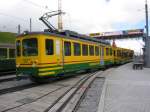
[(83, 16)]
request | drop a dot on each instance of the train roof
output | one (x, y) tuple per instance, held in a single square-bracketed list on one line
[(7, 45), (68, 34)]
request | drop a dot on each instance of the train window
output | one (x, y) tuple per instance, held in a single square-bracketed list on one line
[(49, 45), (111, 51), (120, 53), (102, 51), (12, 53), (114, 53), (91, 50), (30, 47), (3, 52), (18, 47), (96, 50), (77, 49), (85, 50), (107, 51), (67, 48), (117, 52)]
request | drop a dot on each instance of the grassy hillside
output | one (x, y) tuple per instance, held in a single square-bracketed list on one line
[(7, 37)]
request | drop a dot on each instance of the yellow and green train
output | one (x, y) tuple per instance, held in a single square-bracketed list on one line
[(42, 55)]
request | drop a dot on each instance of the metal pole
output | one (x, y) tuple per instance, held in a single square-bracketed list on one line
[(19, 29), (60, 26), (146, 12), (30, 25), (147, 40)]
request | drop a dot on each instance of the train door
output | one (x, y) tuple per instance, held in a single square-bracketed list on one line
[(101, 56), (59, 52)]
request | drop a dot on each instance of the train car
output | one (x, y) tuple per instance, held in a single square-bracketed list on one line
[(43, 54), (122, 55), (109, 56), (7, 57)]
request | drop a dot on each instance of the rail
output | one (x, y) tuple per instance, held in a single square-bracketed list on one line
[(74, 94)]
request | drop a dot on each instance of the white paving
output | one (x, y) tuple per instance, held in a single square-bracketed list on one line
[(126, 90)]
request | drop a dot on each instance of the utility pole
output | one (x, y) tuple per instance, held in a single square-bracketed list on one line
[(19, 29), (147, 40), (146, 13), (60, 24), (30, 25)]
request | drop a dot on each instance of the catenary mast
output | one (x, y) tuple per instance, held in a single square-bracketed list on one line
[(60, 24)]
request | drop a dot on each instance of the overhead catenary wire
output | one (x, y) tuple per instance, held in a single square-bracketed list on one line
[(14, 17), (37, 5)]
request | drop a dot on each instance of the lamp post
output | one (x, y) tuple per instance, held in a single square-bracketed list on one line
[(147, 40), (146, 14)]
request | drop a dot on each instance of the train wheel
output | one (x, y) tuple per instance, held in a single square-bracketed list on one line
[(39, 80), (88, 70)]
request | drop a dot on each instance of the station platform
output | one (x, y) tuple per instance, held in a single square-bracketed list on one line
[(126, 90)]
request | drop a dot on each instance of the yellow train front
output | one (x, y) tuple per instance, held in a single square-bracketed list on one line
[(41, 55), (38, 56)]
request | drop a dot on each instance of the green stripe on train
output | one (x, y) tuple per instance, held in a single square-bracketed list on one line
[(67, 68)]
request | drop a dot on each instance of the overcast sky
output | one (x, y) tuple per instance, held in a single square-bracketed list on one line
[(83, 16)]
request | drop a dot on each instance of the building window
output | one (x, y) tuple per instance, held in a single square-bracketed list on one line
[(91, 50), (85, 50), (49, 46), (67, 48), (96, 51), (77, 49)]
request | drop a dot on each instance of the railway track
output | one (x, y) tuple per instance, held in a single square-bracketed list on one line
[(69, 100), (76, 85), (7, 78), (10, 84), (60, 96), (4, 73), (15, 86)]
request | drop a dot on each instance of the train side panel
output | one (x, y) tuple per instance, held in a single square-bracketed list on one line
[(41, 56)]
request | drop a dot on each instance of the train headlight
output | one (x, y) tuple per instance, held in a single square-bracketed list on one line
[(36, 61), (33, 65), (18, 65)]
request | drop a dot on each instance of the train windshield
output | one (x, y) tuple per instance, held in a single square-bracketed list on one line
[(30, 47), (18, 46)]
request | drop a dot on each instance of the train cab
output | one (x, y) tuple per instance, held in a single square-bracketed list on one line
[(37, 57)]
